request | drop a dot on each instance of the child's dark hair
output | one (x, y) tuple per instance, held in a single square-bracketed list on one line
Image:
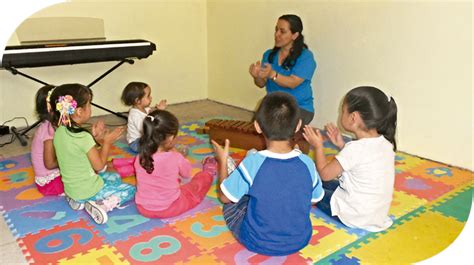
[(41, 104), (278, 115), (132, 92), (157, 126), (80, 93), (296, 25), (378, 110)]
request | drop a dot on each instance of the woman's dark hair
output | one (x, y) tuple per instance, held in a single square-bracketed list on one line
[(278, 116), (296, 25), (132, 92), (41, 104), (157, 126), (80, 93), (378, 110)]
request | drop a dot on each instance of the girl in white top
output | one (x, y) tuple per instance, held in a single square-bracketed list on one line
[(138, 96), (359, 182)]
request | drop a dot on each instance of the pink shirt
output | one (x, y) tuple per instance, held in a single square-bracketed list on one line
[(156, 191), (42, 175)]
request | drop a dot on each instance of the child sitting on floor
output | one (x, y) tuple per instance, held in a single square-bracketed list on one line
[(43, 157), (159, 168), (267, 199), (359, 182), (79, 158), (138, 96)]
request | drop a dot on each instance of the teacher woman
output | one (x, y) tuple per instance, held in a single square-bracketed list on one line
[(289, 66)]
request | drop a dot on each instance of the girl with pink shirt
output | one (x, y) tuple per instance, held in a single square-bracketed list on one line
[(159, 169), (43, 157)]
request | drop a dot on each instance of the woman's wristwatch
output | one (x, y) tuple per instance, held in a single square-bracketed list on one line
[(275, 77)]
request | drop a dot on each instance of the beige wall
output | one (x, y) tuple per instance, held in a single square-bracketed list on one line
[(420, 52), (177, 70)]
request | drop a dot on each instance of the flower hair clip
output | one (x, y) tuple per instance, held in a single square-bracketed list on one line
[(66, 105)]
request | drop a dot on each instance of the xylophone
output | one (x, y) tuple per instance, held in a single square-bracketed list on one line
[(242, 134)]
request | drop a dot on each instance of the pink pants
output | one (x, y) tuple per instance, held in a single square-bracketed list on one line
[(192, 193), (54, 187)]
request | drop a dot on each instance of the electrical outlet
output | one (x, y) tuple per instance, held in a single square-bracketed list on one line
[(4, 130)]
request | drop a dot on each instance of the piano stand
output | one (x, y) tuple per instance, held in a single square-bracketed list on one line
[(15, 71)]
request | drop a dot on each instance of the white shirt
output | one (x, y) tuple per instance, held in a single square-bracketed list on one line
[(135, 123), (364, 196)]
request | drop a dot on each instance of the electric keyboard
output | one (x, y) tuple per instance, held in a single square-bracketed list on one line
[(75, 53)]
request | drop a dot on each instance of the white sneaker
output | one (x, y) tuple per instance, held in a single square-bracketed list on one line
[(77, 206), (96, 212)]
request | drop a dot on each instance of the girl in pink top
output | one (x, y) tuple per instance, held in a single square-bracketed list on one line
[(159, 168), (47, 175)]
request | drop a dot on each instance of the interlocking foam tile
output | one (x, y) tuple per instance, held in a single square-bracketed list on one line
[(448, 175), (326, 239), (201, 207), (344, 260), (157, 246), (203, 259), (13, 163), (43, 215), (404, 203), (405, 162), (212, 194), (188, 140), (60, 242), (190, 127), (237, 254), (201, 151), (132, 180), (430, 204), (318, 214), (17, 178), (104, 256), (207, 229), (121, 144), (21, 197), (458, 206), (411, 241), (124, 223), (420, 187)]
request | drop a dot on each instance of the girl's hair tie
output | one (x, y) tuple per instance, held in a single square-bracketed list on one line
[(151, 117), (66, 105), (48, 98)]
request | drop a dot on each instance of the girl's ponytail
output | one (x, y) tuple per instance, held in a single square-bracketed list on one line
[(157, 126), (389, 125), (377, 109), (148, 144)]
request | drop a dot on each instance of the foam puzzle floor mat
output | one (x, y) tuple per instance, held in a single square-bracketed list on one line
[(430, 207)]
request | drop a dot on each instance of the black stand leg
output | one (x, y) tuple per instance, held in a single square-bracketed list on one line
[(104, 75), (14, 71), (31, 127)]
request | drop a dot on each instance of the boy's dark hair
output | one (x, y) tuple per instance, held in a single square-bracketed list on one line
[(155, 130), (296, 25), (278, 115), (378, 110), (80, 93), (132, 92), (41, 104)]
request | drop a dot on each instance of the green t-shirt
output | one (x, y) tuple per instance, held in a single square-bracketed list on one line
[(79, 178)]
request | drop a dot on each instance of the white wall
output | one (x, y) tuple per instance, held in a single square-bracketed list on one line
[(420, 52), (177, 70)]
